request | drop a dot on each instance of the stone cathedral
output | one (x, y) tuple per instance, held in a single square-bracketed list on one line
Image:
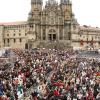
[(49, 26)]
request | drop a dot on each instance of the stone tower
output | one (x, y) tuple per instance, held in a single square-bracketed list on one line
[(66, 7), (36, 8), (34, 19), (51, 24)]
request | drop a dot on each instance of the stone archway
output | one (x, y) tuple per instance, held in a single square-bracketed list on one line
[(26, 45)]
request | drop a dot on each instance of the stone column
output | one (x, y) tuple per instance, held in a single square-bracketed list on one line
[(41, 33), (46, 34), (63, 31), (58, 33)]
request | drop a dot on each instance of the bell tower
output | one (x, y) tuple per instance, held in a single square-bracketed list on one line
[(36, 8), (66, 6)]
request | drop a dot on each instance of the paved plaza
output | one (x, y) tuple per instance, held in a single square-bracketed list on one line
[(49, 74)]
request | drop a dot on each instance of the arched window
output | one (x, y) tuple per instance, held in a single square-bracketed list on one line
[(52, 37), (8, 40), (20, 40), (14, 40), (26, 46)]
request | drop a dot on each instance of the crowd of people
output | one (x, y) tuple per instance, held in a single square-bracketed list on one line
[(49, 75)]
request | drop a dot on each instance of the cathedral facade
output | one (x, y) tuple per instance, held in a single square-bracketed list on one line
[(53, 24), (48, 26)]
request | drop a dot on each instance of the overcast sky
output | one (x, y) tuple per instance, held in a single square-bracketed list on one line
[(86, 11)]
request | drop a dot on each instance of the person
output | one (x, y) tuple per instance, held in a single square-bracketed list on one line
[(54, 74), (98, 96), (34, 95)]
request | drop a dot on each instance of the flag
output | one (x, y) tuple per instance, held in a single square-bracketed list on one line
[(81, 42)]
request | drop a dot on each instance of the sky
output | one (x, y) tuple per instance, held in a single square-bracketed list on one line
[(86, 11)]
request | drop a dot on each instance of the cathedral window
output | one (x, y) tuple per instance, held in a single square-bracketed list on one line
[(8, 40), (50, 37), (20, 40), (54, 37), (14, 40), (44, 36)]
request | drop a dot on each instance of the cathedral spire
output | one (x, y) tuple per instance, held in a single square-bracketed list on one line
[(65, 2), (36, 1), (51, 2)]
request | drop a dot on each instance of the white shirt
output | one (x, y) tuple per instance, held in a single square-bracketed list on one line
[(79, 96)]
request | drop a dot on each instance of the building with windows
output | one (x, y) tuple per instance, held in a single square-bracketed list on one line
[(49, 26), (87, 37)]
